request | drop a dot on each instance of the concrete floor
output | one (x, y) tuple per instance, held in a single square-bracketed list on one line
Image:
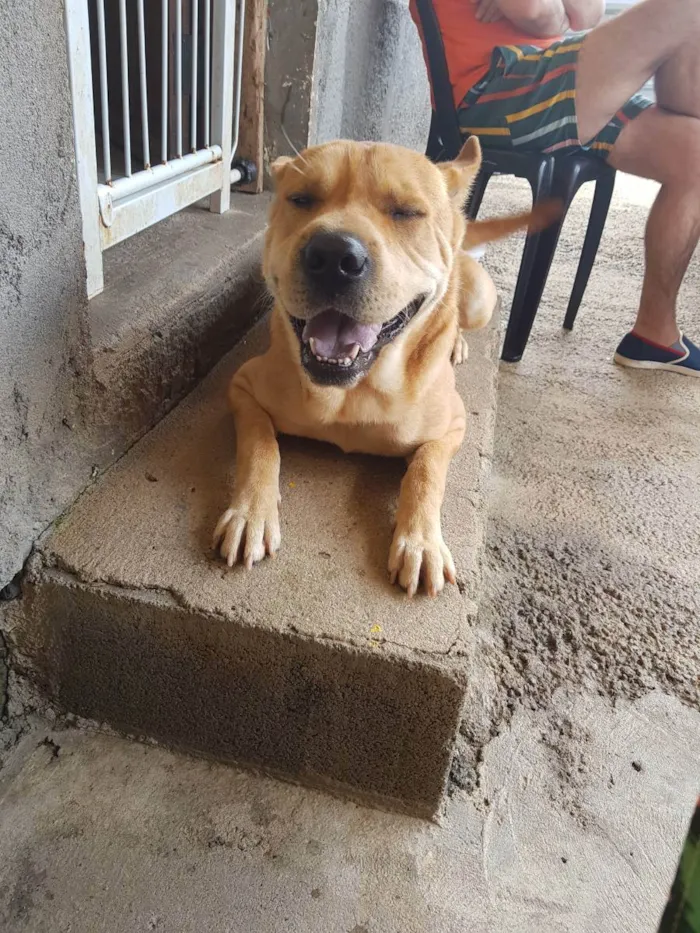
[(100, 835), (571, 795)]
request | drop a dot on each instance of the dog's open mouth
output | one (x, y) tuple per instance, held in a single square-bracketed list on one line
[(336, 349)]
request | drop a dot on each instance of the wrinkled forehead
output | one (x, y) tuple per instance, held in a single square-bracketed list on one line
[(343, 171)]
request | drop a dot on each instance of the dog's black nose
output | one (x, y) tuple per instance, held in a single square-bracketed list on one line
[(335, 260)]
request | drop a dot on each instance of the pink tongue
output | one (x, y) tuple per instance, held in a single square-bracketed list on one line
[(336, 334)]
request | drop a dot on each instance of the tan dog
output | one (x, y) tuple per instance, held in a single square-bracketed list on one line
[(364, 257)]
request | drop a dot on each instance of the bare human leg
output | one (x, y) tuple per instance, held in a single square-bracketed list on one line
[(665, 147), (662, 144), (620, 56)]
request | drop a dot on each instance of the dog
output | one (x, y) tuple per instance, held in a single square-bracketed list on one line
[(365, 257)]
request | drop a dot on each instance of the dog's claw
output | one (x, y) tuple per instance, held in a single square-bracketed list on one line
[(221, 527), (416, 558), (247, 534)]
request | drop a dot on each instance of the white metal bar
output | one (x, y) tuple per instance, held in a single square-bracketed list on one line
[(178, 75), (144, 91), (80, 73), (223, 36), (239, 80), (154, 204), (126, 116), (195, 62), (207, 70), (149, 178), (104, 97), (164, 83)]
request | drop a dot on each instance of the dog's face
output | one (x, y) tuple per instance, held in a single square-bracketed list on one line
[(360, 244)]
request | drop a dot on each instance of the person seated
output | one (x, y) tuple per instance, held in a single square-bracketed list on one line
[(521, 80)]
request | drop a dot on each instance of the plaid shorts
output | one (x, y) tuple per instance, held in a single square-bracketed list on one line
[(527, 101)]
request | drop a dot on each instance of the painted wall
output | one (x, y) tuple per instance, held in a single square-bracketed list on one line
[(42, 293)]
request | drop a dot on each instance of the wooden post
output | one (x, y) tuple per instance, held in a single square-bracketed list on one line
[(251, 141)]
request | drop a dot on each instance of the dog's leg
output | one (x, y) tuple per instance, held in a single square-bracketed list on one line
[(477, 301), (249, 529), (418, 551), (478, 296)]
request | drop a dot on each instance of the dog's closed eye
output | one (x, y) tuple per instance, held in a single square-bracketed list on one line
[(304, 201), (405, 213)]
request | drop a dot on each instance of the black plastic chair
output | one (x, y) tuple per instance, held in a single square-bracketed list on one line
[(550, 176)]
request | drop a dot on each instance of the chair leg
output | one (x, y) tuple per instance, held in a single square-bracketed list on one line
[(522, 312), (477, 193), (596, 224), (564, 185)]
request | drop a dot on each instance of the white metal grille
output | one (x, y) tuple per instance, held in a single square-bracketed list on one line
[(156, 88)]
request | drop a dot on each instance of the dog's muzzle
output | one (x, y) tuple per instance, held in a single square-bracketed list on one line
[(336, 349)]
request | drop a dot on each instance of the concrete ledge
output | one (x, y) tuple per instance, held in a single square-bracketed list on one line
[(179, 296), (311, 666)]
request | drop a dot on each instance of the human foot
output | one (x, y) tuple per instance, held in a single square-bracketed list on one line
[(638, 352)]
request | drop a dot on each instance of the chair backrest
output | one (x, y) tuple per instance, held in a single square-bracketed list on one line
[(445, 125)]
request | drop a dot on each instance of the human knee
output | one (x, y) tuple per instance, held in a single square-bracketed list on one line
[(681, 162)]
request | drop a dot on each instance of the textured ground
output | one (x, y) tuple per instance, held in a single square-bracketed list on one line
[(571, 792), (593, 580)]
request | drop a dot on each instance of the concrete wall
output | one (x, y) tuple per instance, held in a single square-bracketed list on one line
[(42, 293), (369, 76), (343, 68)]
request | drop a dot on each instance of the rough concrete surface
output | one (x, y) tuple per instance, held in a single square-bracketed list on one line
[(3, 676), (349, 69), (312, 664), (42, 294), (178, 296), (593, 581), (98, 835), (369, 76)]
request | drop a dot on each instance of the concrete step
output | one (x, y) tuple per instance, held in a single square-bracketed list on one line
[(311, 666), (178, 297)]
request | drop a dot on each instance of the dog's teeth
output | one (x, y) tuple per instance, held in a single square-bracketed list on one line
[(353, 353), (331, 360), (346, 361), (312, 345)]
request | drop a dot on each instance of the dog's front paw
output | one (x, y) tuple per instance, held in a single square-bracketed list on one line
[(460, 351), (245, 533), (417, 556)]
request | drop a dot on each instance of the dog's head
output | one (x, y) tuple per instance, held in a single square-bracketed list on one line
[(360, 245)]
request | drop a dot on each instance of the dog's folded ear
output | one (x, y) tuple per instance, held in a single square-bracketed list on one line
[(278, 165), (460, 173)]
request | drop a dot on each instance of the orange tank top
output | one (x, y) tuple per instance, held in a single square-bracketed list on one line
[(469, 43)]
